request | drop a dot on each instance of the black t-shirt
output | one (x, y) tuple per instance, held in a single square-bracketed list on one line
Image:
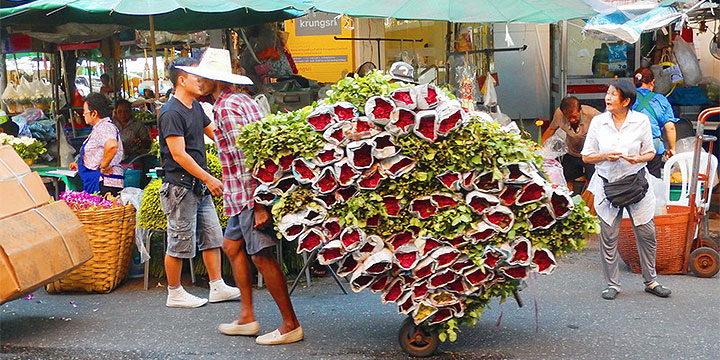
[(177, 120)]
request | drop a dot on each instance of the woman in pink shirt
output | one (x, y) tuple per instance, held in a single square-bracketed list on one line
[(99, 162)]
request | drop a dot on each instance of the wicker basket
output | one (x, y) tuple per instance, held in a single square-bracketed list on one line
[(670, 230), (111, 233)]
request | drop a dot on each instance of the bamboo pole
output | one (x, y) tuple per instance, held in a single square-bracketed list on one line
[(153, 49)]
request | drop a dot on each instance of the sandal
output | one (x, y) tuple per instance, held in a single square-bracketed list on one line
[(610, 293), (659, 290)]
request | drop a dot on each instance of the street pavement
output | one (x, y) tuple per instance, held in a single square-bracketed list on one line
[(573, 322)]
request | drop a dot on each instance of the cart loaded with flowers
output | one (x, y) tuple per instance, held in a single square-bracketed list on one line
[(435, 209)]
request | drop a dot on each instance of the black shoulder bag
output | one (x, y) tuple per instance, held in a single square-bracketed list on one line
[(628, 190)]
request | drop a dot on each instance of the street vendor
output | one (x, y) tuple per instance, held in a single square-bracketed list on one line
[(620, 144), (232, 111), (574, 119), (133, 133), (99, 162), (185, 195), (659, 111)]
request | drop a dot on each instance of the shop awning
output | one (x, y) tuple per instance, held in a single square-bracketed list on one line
[(169, 15), (482, 11), (619, 25)]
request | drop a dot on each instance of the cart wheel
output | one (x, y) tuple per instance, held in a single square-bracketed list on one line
[(704, 262), (711, 243), (417, 340)]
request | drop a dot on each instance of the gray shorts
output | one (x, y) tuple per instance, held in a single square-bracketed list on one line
[(240, 227), (191, 220)]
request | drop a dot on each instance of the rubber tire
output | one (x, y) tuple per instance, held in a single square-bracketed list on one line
[(711, 243), (407, 344), (709, 257)]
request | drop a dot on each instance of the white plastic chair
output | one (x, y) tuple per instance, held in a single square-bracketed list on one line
[(684, 162)]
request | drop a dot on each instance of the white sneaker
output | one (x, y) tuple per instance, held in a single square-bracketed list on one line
[(180, 298), (222, 292)]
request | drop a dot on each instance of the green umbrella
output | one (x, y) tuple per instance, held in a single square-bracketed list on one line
[(169, 15), (459, 11)]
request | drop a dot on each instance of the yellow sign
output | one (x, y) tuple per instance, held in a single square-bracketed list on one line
[(318, 56)]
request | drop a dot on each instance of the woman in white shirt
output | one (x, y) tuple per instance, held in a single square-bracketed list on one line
[(619, 142)]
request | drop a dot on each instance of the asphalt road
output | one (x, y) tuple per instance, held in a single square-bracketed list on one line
[(573, 322)]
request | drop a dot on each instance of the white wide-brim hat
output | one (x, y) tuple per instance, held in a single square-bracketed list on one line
[(215, 65)]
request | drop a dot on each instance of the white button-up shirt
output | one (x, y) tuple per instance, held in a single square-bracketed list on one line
[(633, 138)]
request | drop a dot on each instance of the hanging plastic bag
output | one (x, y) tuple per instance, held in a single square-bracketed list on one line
[(687, 62), (554, 171), (554, 146), (658, 188), (663, 82), (132, 195), (489, 94), (10, 98)]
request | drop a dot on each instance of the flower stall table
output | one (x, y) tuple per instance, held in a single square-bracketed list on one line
[(55, 174)]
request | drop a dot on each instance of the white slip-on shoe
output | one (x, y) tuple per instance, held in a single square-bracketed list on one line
[(223, 292), (233, 328), (180, 298), (275, 338)]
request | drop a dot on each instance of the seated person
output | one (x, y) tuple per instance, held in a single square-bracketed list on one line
[(574, 119), (106, 88), (134, 135)]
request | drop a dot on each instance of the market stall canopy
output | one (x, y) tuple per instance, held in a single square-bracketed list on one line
[(484, 11), (169, 15)]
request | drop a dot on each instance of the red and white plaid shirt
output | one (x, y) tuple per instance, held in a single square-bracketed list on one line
[(233, 110)]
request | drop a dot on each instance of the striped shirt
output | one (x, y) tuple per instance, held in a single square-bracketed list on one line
[(232, 111)]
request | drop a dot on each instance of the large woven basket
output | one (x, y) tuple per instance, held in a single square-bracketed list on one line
[(670, 230), (111, 233)]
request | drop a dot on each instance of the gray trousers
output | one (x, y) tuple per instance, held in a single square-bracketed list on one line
[(646, 245)]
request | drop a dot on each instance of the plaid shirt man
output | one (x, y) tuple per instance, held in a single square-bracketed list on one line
[(233, 110)]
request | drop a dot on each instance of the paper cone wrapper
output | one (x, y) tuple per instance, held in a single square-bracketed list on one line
[(286, 160), (371, 178), (305, 171), (500, 217), (462, 264), (452, 116), (378, 263), (484, 182), (427, 244), (266, 172), (332, 228), (518, 173), (393, 205), (451, 180), (385, 146), (348, 265), (427, 97), (533, 191), (329, 154), (406, 304), (345, 173), (510, 194), (441, 279), (313, 215), (423, 312), (457, 242), (327, 200), (337, 133), (543, 261), (541, 218), (481, 232), (380, 283), (352, 238), (373, 245), (516, 272), (419, 290), (322, 117), (426, 125), (344, 194), (362, 129), (395, 241), (442, 299), (331, 253), (360, 154), (402, 122), (360, 280), (425, 268), (494, 257), (467, 180), (407, 256), (345, 111), (310, 240), (423, 207), (521, 252), (405, 98), (443, 200), (442, 315), (397, 166), (393, 292), (292, 226), (481, 202), (477, 276), (286, 184), (379, 108), (561, 203), (445, 256), (326, 181), (264, 195)]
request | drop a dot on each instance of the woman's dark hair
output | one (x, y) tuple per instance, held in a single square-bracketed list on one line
[(626, 91), (174, 72), (642, 76), (98, 102), (122, 102)]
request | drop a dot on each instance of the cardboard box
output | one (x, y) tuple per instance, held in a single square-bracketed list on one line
[(39, 246), (20, 189)]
